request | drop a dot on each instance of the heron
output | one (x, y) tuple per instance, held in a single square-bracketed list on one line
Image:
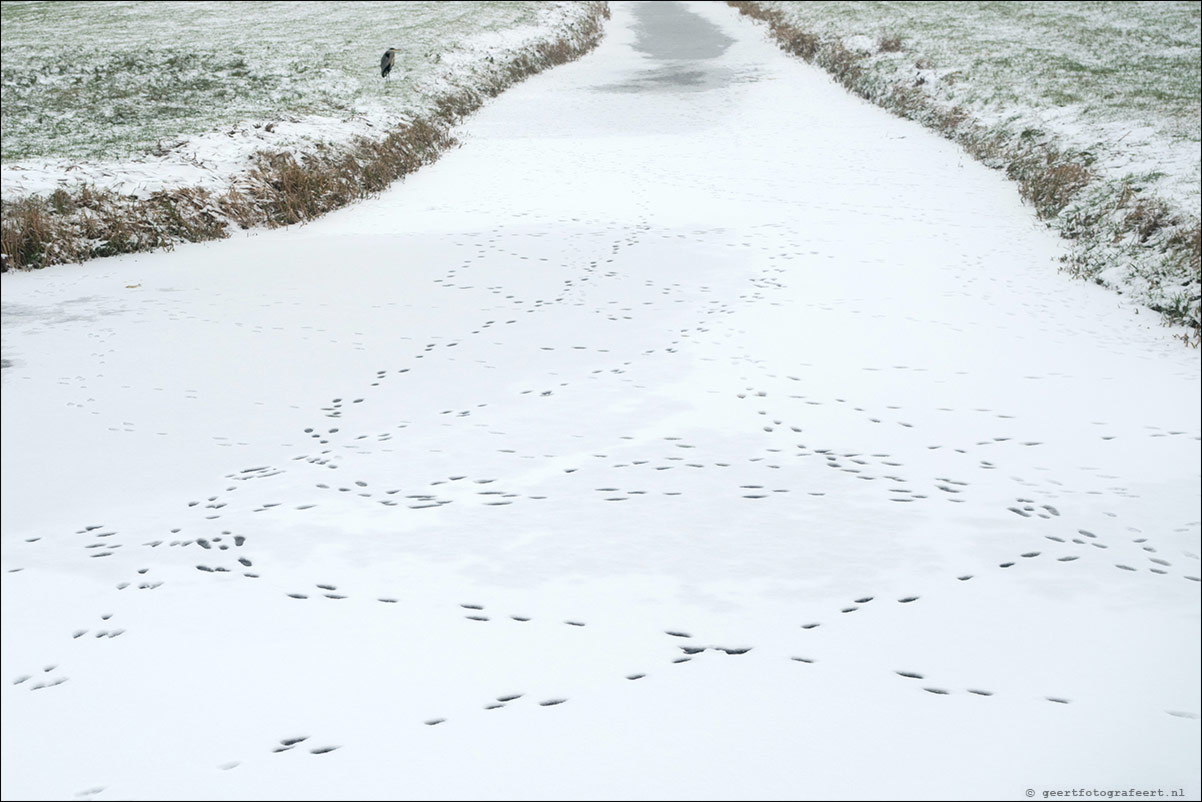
[(387, 60)]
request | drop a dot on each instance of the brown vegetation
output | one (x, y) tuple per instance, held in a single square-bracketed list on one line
[(889, 44)]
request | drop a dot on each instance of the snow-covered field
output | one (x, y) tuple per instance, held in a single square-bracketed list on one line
[(141, 97), (696, 430)]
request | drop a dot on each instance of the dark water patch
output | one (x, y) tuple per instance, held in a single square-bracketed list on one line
[(681, 42), (669, 31)]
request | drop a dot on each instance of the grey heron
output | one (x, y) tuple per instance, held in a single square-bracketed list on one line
[(387, 60)]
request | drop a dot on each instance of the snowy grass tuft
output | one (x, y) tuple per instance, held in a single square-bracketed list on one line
[(1093, 109)]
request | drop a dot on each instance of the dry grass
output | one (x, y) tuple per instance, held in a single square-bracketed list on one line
[(280, 189), (792, 40), (28, 229), (889, 44), (1149, 216), (1048, 178)]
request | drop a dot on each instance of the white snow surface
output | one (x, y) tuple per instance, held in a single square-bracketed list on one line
[(696, 430)]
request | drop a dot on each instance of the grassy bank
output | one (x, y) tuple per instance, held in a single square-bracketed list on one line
[(1092, 108), (287, 181)]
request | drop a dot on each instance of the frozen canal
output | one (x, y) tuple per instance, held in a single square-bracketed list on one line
[(695, 430)]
